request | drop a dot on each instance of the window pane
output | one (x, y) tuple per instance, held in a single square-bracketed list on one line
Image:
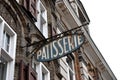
[(3, 40), (3, 67), (71, 75), (69, 61), (6, 41), (43, 76), (44, 73)]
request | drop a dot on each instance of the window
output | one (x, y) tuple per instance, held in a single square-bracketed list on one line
[(84, 71), (33, 7), (3, 71), (27, 72), (42, 19), (6, 41), (70, 63), (74, 6), (7, 50), (34, 63), (71, 73), (43, 72), (60, 26), (31, 73), (83, 68), (30, 8)]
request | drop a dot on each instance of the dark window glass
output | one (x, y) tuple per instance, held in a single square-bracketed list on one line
[(3, 68)]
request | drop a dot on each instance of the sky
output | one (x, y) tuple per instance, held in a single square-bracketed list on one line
[(105, 29)]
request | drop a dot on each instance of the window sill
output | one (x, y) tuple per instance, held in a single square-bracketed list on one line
[(4, 57)]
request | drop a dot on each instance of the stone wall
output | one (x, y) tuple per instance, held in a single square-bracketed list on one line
[(27, 33)]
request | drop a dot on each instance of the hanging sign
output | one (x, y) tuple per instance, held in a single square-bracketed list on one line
[(60, 47)]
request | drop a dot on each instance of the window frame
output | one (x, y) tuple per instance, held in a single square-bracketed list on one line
[(71, 68), (6, 41), (12, 49), (84, 70), (3, 70), (42, 23), (41, 68)]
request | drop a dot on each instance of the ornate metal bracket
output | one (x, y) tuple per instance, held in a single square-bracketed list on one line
[(41, 43)]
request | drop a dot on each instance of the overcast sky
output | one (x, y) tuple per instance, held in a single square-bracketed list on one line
[(105, 29)]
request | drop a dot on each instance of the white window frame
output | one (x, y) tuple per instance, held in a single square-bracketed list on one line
[(17, 1), (84, 71), (63, 68), (74, 6), (12, 49), (72, 70), (58, 31), (42, 23), (42, 68), (6, 45)]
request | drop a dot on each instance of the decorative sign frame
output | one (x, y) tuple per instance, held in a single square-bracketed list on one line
[(60, 47)]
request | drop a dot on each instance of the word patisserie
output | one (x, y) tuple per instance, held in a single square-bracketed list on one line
[(60, 47)]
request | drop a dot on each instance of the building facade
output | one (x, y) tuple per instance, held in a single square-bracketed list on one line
[(26, 25)]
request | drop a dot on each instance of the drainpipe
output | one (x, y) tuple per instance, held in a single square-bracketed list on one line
[(77, 67)]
